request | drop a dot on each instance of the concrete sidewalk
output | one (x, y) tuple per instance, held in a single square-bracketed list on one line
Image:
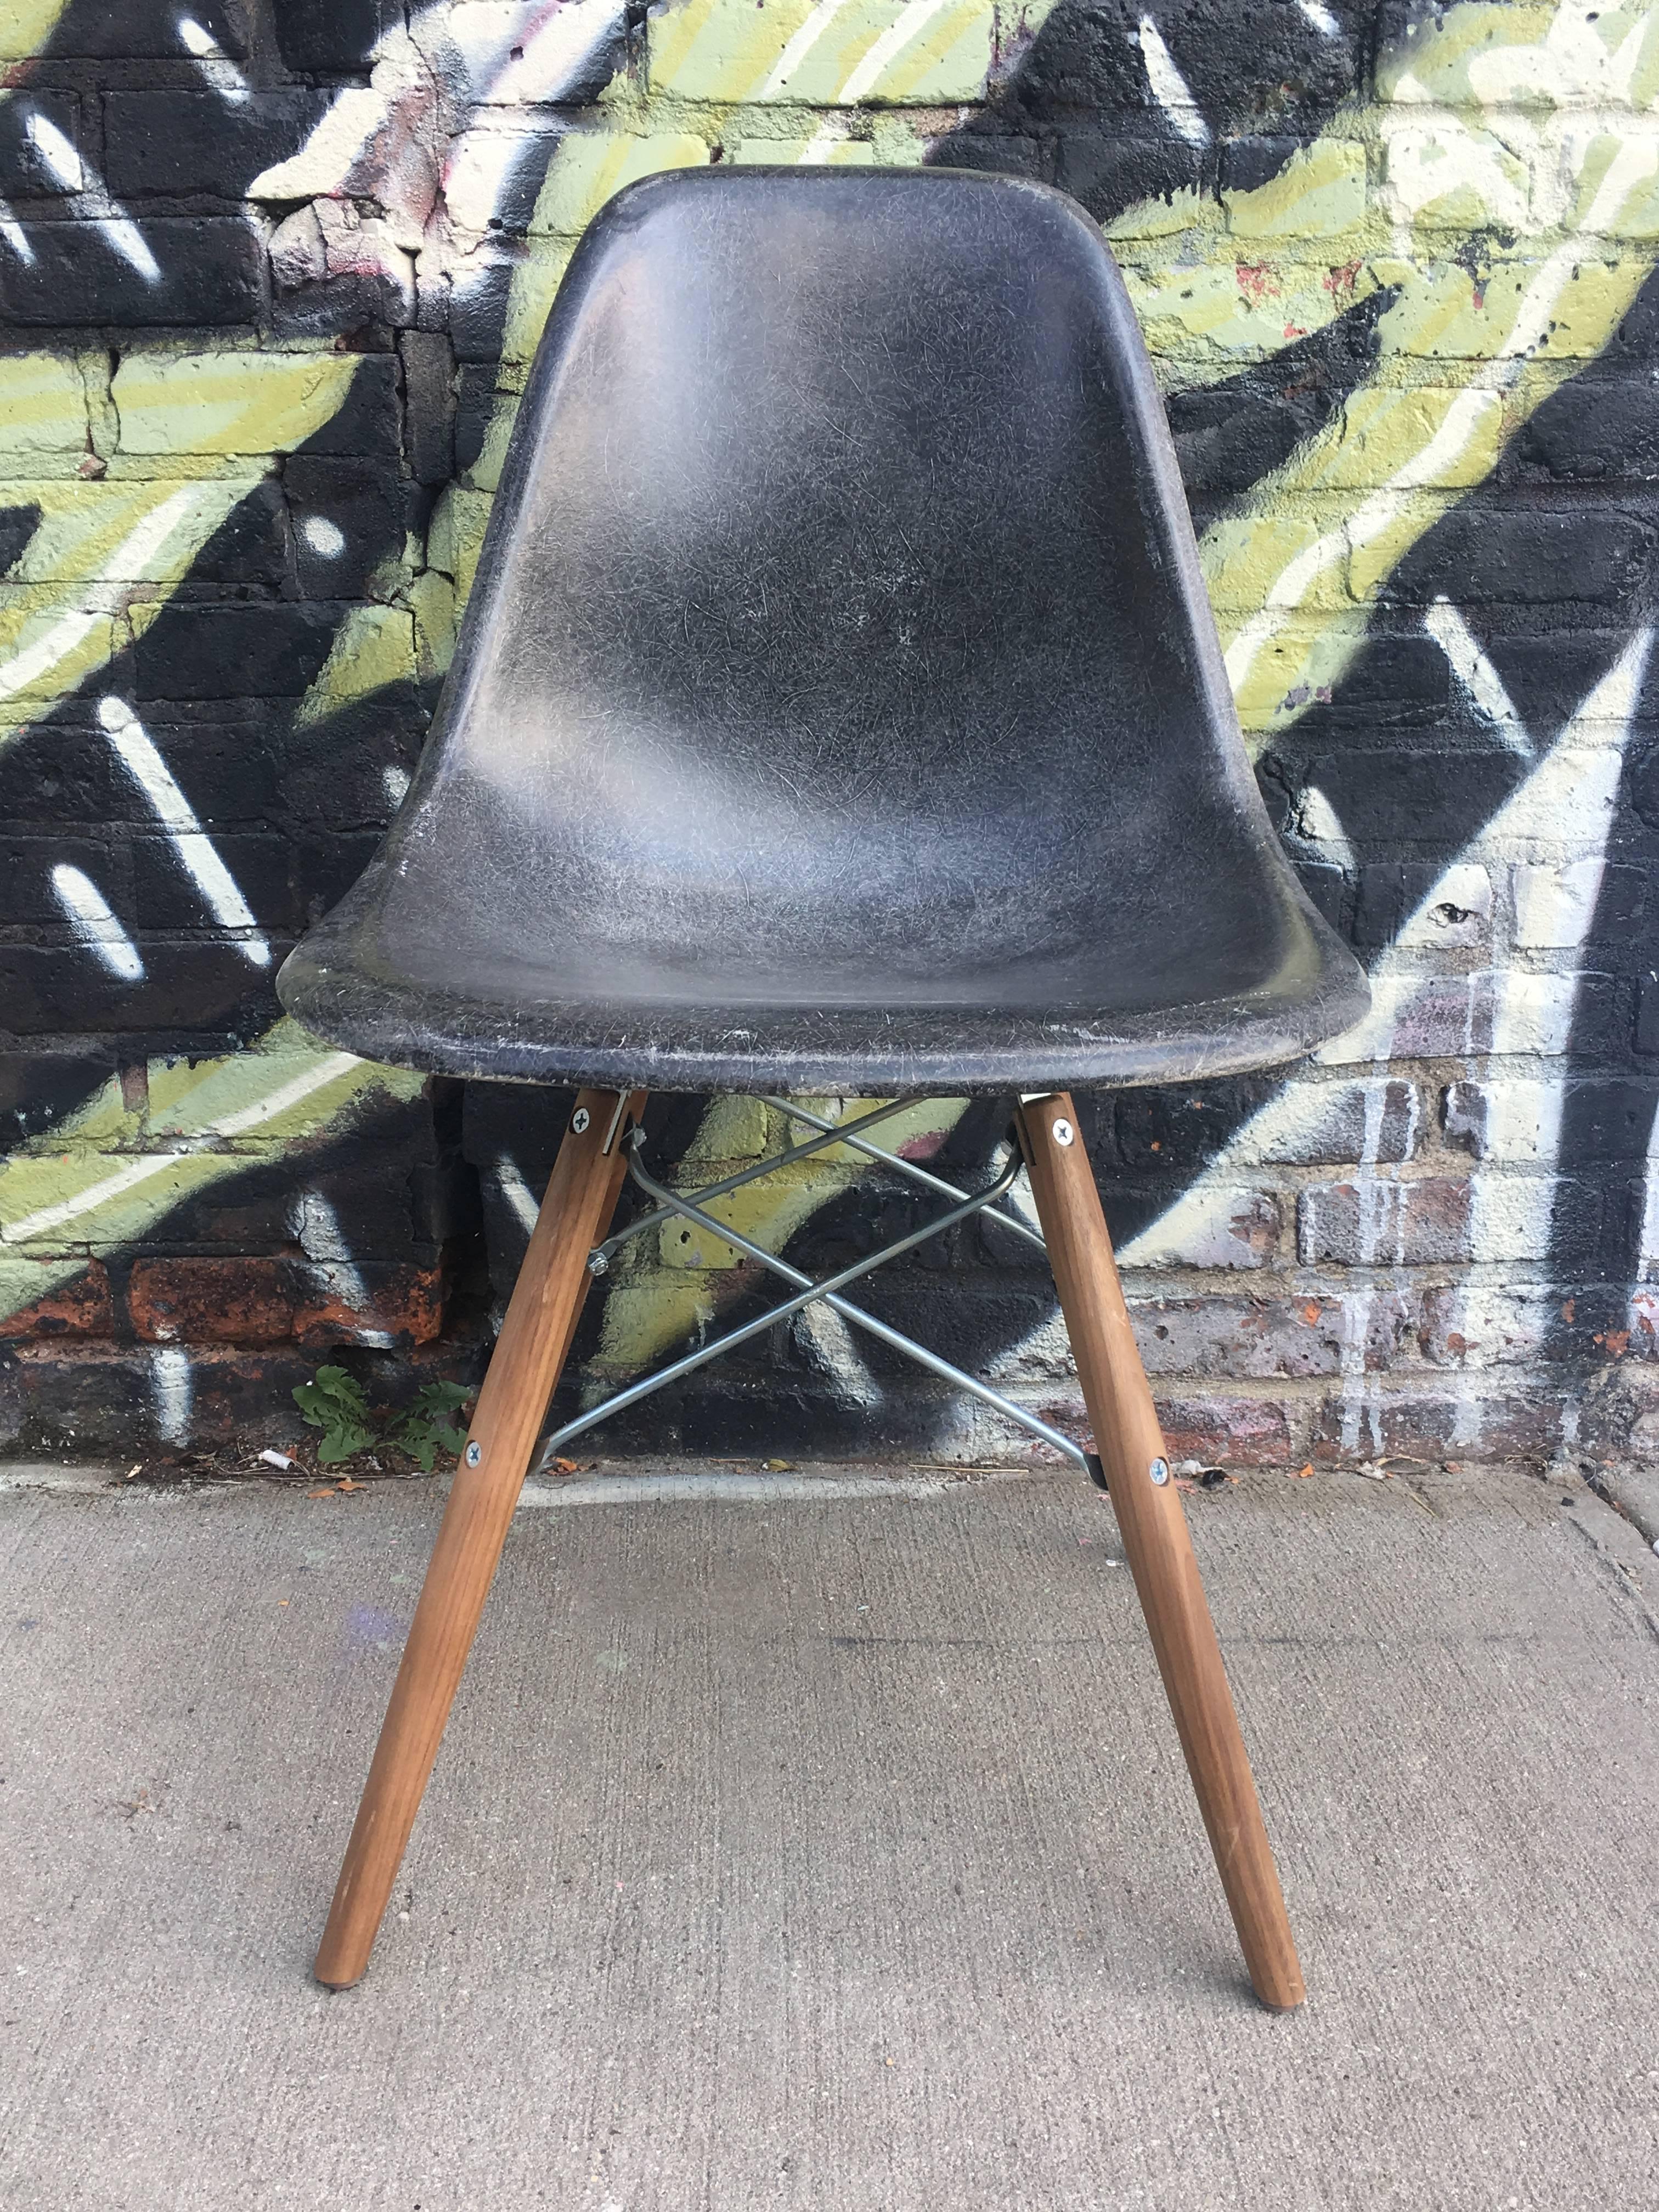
[(828, 1846)]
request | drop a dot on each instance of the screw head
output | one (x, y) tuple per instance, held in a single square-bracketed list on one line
[(474, 1454), (1159, 1471), (1063, 1131), (579, 1119)]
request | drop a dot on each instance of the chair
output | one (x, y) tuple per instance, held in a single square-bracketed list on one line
[(837, 711)]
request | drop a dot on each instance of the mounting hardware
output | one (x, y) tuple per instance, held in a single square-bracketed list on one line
[(598, 1264), (474, 1453), (1159, 1471), (1062, 1132), (616, 1113), (579, 1120)]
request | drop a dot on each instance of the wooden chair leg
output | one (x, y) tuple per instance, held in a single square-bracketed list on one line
[(1156, 1541), (532, 1349)]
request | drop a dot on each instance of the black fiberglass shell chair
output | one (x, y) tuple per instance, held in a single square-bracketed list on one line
[(837, 709)]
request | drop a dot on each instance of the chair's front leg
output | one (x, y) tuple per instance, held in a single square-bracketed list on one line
[(532, 1349), (1157, 1542)]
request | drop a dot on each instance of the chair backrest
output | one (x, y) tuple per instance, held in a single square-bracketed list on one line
[(841, 597)]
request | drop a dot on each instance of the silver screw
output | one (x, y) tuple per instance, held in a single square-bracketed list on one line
[(1159, 1471), (579, 1119), (1063, 1132), (474, 1454), (596, 1262)]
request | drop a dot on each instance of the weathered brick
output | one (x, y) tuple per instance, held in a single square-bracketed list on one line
[(328, 38), (349, 519), (1233, 1227), (1437, 1017), (1383, 1222), (83, 1306), (1225, 1431), (1612, 438), (1527, 557), (370, 1302), (146, 30), (180, 143), (243, 1300), (229, 652), (197, 1000), (40, 146), (1243, 1337), (1392, 904), (1521, 1119), (1566, 904), (1111, 173), (27, 864), (1432, 1426), (207, 270)]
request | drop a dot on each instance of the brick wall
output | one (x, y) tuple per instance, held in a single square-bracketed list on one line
[(270, 278)]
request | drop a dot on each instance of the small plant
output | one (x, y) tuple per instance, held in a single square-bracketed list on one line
[(427, 1428), (334, 1402)]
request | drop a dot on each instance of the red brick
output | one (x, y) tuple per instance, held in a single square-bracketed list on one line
[(1239, 1431), (1226, 1432), (1435, 1424), (1384, 1223), (370, 1304), (82, 1307), (213, 1301)]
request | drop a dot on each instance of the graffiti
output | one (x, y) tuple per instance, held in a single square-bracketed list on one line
[(270, 298)]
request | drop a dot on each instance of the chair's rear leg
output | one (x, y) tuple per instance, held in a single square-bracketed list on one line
[(535, 1340), (1156, 1541)]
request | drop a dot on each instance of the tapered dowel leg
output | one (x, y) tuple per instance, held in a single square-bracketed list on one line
[(535, 1340), (1157, 1542)]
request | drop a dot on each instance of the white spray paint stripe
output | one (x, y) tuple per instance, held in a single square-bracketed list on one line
[(1463, 418), (1170, 87), (170, 1368), (1511, 1215), (146, 539), (554, 54), (56, 151), (1321, 822), (299, 1087), (913, 20), (343, 1272), (1474, 670), (1321, 17), (820, 148), (332, 151), (94, 922), (516, 1191), (76, 175), (837, 1351), (15, 236), (1518, 1006), (801, 46), (195, 851), (216, 66)]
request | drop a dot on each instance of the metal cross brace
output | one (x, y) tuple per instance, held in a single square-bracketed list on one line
[(673, 1205)]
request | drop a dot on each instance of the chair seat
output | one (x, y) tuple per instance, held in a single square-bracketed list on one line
[(838, 706), (1116, 1011)]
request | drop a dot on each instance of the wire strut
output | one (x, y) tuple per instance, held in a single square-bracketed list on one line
[(677, 1206)]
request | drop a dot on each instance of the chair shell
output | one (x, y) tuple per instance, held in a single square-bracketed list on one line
[(838, 706)]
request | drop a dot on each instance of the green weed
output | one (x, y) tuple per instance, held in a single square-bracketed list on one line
[(334, 1402)]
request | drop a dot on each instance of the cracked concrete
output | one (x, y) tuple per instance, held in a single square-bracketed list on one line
[(825, 1845)]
